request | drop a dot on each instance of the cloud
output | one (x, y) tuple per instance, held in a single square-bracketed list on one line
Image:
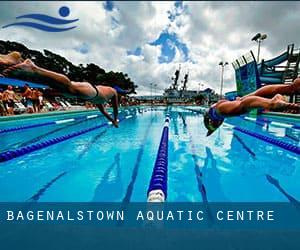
[(148, 40)]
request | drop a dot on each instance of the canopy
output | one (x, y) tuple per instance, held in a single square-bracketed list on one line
[(18, 83)]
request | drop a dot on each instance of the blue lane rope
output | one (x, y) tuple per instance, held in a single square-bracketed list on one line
[(11, 154), (58, 122), (287, 146), (157, 191)]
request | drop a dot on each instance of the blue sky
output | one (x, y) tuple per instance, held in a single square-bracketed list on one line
[(168, 41)]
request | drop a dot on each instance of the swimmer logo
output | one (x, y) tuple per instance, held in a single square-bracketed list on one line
[(63, 12)]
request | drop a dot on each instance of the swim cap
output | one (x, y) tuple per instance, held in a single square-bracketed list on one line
[(211, 124)]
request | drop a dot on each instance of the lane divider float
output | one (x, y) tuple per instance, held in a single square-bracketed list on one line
[(11, 154), (157, 191)]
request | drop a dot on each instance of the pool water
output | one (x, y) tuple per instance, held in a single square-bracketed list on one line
[(115, 165)]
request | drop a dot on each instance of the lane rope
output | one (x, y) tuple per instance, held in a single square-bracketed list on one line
[(11, 154), (158, 186)]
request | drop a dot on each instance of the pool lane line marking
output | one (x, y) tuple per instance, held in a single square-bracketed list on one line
[(276, 184), (195, 111), (88, 145), (259, 122), (250, 119), (281, 144), (93, 116), (267, 139), (136, 167), (11, 154), (56, 122), (262, 120), (40, 192), (65, 121), (38, 138), (244, 145), (198, 173), (93, 140), (104, 179), (197, 167), (49, 184)]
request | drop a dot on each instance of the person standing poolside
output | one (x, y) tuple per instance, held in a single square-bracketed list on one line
[(268, 97), (41, 100), (3, 110), (96, 94), (35, 100), (9, 98), (28, 98)]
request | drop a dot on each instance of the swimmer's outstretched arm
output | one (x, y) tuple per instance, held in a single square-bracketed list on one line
[(107, 115), (115, 105)]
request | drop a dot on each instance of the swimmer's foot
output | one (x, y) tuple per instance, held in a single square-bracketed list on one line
[(27, 66), (278, 104), (11, 58), (296, 85)]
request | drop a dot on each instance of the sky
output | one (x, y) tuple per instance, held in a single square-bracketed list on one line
[(148, 40)]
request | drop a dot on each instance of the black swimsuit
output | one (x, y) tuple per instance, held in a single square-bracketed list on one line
[(97, 93)]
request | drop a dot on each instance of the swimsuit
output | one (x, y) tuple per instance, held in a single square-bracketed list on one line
[(117, 88), (214, 115), (120, 91), (97, 93)]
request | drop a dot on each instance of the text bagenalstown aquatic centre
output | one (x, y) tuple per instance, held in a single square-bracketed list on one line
[(140, 215)]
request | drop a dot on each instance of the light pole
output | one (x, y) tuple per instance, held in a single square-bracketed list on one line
[(155, 85), (222, 64), (259, 38)]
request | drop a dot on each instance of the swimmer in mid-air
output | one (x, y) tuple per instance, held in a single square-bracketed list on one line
[(268, 97), (96, 94)]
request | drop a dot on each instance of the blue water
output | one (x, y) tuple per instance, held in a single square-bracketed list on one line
[(110, 164)]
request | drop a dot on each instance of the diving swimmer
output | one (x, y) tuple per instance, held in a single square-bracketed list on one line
[(96, 94), (267, 97)]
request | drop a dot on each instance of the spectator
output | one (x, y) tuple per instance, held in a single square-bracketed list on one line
[(9, 98), (41, 100), (3, 110), (27, 95), (35, 100)]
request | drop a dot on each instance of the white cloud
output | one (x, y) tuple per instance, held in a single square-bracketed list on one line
[(212, 32)]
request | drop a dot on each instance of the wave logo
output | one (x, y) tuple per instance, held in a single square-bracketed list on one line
[(56, 23)]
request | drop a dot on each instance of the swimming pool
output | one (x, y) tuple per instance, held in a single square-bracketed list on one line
[(115, 165)]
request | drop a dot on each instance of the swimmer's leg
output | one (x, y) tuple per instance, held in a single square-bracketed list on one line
[(245, 104), (64, 82)]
